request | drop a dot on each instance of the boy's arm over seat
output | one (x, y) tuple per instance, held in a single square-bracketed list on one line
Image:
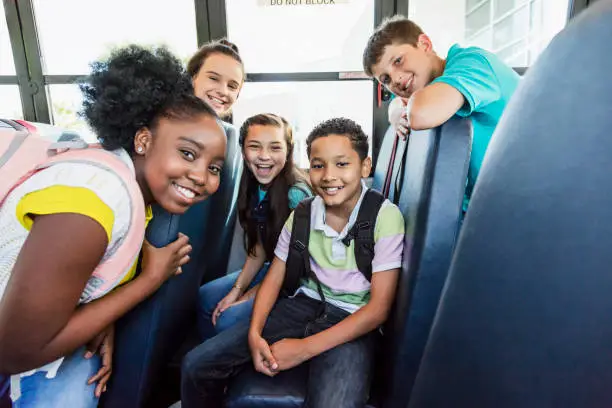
[(433, 105), (466, 86)]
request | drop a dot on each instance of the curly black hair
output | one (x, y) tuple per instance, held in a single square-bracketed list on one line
[(341, 126), (133, 89)]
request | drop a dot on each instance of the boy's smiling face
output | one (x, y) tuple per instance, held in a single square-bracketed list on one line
[(336, 170), (404, 68)]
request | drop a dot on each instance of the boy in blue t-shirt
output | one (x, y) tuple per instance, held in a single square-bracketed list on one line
[(470, 82)]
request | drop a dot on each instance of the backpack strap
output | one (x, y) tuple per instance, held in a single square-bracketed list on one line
[(23, 154), (363, 232), (111, 272), (298, 260)]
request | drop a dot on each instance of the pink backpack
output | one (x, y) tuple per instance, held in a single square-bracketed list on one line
[(23, 153)]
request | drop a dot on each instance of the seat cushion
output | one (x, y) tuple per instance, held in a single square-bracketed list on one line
[(254, 390)]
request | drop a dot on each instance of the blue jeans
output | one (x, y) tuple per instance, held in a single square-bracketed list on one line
[(338, 378), (212, 293), (67, 389)]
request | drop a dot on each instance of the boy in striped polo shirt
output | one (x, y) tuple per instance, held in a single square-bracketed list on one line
[(336, 336)]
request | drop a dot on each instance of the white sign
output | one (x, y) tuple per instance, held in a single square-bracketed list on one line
[(267, 3)]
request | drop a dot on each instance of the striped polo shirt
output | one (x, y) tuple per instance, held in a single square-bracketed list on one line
[(334, 263)]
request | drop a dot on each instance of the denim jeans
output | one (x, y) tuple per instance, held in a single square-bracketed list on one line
[(212, 293), (67, 389), (338, 378)]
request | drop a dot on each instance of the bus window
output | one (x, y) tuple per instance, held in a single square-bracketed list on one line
[(94, 29), (293, 36), (305, 104), (73, 33), (516, 30), (7, 66), (10, 102), (66, 102), (295, 42)]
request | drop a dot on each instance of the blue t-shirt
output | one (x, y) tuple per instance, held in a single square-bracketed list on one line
[(297, 193), (487, 85)]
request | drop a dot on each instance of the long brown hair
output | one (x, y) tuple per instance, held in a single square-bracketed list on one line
[(277, 191), (221, 46)]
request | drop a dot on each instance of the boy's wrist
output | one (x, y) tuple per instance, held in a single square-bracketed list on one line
[(310, 347), (255, 331)]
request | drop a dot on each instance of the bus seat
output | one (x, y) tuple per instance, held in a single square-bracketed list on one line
[(431, 199), (382, 161), (226, 204), (237, 252), (524, 320), (148, 336), (435, 173)]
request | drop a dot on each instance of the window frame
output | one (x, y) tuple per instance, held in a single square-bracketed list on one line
[(211, 23)]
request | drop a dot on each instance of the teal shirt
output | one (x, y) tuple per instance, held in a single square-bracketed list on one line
[(487, 85), (297, 193)]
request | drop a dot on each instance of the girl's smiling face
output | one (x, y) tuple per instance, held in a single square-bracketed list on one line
[(218, 82), (265, 152), (180, 161)]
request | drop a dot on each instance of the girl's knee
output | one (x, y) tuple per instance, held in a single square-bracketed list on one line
[(224, 322), (208, 298), (231, 316)]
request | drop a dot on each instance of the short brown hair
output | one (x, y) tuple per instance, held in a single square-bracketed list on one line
[(221, 46), (267, 119), (394, 30)]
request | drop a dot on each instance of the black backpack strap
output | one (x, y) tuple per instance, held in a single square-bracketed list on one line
[(298, 259), (363, 232), (297, 266)]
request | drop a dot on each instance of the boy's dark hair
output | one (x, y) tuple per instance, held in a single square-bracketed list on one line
[(341, 126), (277, 191), (133, 89), (394, 30), (222, 46)]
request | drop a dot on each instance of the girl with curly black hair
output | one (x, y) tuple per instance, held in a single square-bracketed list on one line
[(64, 221)]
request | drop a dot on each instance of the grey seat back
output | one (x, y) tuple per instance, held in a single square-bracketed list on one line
[(525, 319), (435, 172), (382, 162), (224, 210)]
